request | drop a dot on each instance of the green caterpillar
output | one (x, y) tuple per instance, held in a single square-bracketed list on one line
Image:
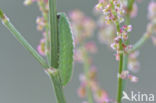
[(65, 48)]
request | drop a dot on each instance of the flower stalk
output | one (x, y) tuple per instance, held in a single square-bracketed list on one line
[(120, 81), (140, 42)]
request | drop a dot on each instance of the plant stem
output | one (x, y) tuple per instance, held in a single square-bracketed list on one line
[(22, 40), (142, 40), (53, 33), (55, 77), (86, 69), (120, 81)]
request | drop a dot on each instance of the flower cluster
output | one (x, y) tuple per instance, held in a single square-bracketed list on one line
[(127, 75), (124, 31), (122, 35), (111, 34), (113, 10), (40, 23)]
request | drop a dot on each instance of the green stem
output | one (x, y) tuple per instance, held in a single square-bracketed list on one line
[(142, 40), (120, 81), (53, 33), (56, 80), (86, 69), (22, 40)]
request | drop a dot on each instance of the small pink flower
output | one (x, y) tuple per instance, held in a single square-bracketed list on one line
[(133, 78), (41, 47), (40, 23), (124, 74), (129, 28)]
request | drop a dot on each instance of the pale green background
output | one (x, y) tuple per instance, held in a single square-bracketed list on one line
[(22, 80)]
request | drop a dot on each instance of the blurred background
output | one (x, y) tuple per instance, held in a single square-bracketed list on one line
[(22, 80)]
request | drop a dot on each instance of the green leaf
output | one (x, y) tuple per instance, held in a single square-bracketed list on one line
[(65, 48)]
